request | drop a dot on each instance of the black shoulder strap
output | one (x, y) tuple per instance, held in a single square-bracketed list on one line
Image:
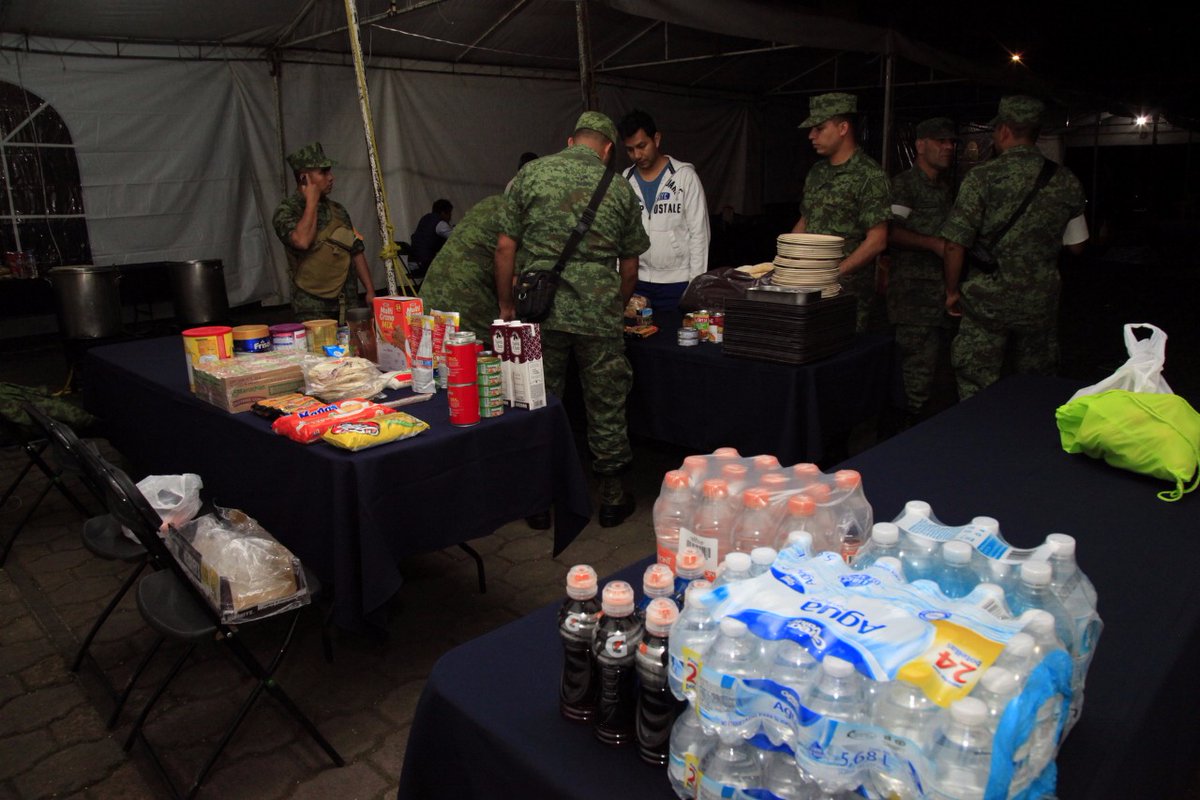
[(1044, 177), (585, 222)]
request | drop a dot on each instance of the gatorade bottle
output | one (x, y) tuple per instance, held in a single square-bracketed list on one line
[(753, 527), (673, 510), (614, 646), (712, 532), (656, 582), (656, 707), (577, 620)]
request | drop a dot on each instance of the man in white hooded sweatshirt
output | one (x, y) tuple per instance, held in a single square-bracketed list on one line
[(674, 213)]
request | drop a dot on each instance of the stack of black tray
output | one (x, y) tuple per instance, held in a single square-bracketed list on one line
[(789, 334)]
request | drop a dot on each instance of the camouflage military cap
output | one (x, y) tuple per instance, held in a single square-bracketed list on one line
[(936, 128), (600, 123), (1019, 109), (824, 106), (311, 156)]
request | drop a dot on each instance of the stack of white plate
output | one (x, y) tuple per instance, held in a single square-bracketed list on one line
[(808, 261)]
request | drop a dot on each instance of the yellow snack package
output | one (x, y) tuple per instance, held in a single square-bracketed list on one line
[(361, 434)]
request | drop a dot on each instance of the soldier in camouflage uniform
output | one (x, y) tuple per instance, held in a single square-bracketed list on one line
[(462, 275), (546, 201), (324, 251), (916, 297), (1015, 307), (846, 195)]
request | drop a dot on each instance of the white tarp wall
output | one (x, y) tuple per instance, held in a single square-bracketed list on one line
[(179, 159)]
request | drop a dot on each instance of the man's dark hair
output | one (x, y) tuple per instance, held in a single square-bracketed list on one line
[(526, 157), (442, 206), (850, 118), (634, 121)]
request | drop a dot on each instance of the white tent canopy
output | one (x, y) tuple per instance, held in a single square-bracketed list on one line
[(173, 105)]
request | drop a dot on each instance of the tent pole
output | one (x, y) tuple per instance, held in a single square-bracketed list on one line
[(277, 85), (388, 252), (889, 62), (586, 79)]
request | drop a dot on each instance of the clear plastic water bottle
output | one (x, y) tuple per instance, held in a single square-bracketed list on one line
[(753, 527), (806, 474), (909, 718), (1041, 625), (800, 515), (962, 752), (764, 464), (887, 569), (736, 477), (731, 765), (712, 527), (790, 665), (614, 646), (733, 657), (657, 581), (761, 559), (577, 620), (689, 745), (854, 517), (696, 468), (996, 687), (955, 575), (689, 567), (784, 779), (693, 634), (656, 706), (1017, 656), (802, 541), (840, 697), (826, 537), (1066, 575), (673, 510), (1034, 593), (1078, 596), (736, 567), (884, 541), (991, 598)]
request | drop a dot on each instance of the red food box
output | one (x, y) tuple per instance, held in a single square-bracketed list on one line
[(391, 332)]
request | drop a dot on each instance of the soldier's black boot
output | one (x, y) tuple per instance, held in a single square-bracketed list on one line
[(616, 504)]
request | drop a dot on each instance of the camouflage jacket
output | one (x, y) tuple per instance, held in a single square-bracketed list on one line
[(462, 275), (1025, 286), (846, 200), (546, 201), (916, 293), (288, 214)]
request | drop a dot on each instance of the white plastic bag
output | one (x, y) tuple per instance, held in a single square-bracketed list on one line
[(1142, 372), (176, 498)]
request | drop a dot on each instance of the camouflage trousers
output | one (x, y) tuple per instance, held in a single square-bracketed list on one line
[(870, 313), (607, 378), (918, 347), (984, 348), (307, 306)]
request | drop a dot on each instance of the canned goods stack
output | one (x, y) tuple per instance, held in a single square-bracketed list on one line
[(462, 386), (490, 383)]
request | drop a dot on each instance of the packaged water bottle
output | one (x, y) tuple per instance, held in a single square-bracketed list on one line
[(753, 528), (577, 620), (689, 567), (656, 706), (990, 597), (956, 577), (1041, 625), (839, 696), (731, 765), (962, 752), (761, 559), (806, 474), (917, 552), (735, 567), (1078, 596), (726, 452), (712, 526), (791, 666), (801, 540), (696, 468), (765, 464), (689, 745), (1034, 593), (736, 476), (854, 516), (693, 634), (996, 687), (657, 581), (784, 779), (673, 510), (887, 569), (909, 718), (614, 646), (800, 515), (732, 658), (1017, 656), (884, 541), (826, 537)]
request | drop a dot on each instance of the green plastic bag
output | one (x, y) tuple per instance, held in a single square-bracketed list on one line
[(1154, 434)]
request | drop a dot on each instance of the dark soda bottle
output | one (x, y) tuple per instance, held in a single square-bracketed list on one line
[(614, 648), (577, 620)]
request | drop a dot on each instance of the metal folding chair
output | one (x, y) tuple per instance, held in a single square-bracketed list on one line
[(177, 610), (33, 448)]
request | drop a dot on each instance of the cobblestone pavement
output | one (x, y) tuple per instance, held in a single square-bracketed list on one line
[(53, 740)]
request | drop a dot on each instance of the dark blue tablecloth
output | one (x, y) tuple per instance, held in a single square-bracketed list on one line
[(491, 704), (349, 516), (699, 398)]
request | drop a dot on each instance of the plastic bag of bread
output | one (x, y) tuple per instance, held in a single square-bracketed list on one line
[(333, 379)]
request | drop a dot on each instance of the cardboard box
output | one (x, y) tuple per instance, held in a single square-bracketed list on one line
[(235, 384), (528, 377), (500, 347), (392, 332)]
